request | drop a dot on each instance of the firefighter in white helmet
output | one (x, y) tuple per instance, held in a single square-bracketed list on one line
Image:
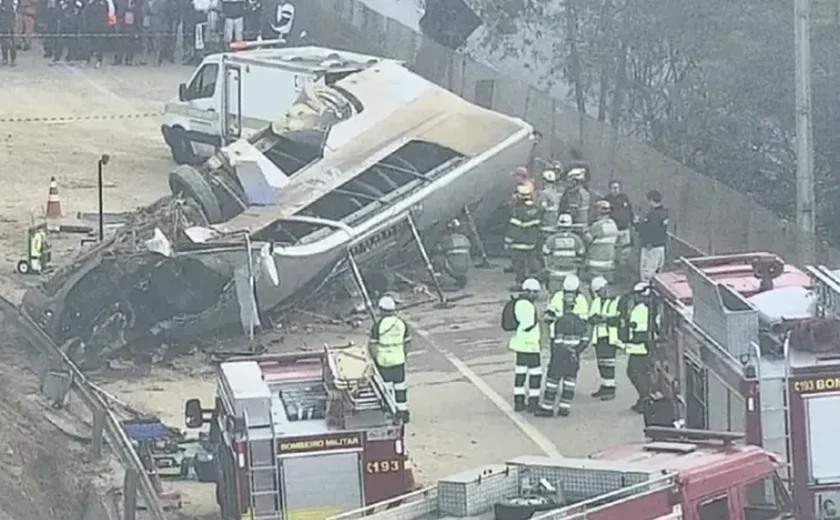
[(569, 337), (576, 199), (562, 253), (389, 340), (600, 240), (520, 317), (604, 318)]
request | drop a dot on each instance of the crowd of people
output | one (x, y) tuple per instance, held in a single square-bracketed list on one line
[(137, 31)]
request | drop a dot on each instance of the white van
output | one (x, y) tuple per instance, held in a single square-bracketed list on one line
[(252, 88)]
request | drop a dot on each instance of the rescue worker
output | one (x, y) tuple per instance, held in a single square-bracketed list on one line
[(653, 234), (37, 246), (549, 204), (522, 176), (523, 233), (600, 241), (389, 339), (638, 332), (576, 198), (525, 343), (569, 334), (556, 307), (562, 253), (8, 21), (452, 259), (603, 317), (621, 212)]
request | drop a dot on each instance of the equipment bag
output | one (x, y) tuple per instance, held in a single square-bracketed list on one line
[(509, 321)]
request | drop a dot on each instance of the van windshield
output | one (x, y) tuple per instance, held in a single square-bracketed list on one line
[(766, 499)]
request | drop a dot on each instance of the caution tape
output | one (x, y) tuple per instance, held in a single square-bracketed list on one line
[(70, 119), (110, 33)]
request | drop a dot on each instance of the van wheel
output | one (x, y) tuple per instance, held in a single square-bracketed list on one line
[(187, 182), (23, 267), (182, 152)]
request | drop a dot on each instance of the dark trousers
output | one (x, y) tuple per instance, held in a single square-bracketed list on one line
[(395, 376), (70, 40), (638, 372), (524, 264), (8, 45), (562, 376), (605, 354), (527, 380), (50, 31)]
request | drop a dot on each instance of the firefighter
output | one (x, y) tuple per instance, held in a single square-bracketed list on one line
[(621, 212), (522, 176), (562, 253), (525, 343), (37, 246), (549, 204), (389, 339), (569, 334), (604, 319), (600, 241), (576, 198), (638, 331), (523, 233), (452, 259)]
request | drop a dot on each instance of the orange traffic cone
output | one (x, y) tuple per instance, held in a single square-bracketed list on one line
[(53, 202)]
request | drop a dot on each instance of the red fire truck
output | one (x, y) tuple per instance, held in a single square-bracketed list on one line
[(748, 343), (677, 475), (303, 436)]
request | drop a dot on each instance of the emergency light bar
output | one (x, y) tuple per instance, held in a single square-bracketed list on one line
[(258, 44)]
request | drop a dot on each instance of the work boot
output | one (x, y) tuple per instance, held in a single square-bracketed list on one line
[(563, 412), (600, 392), (608, 395), (533, 405), (543, 412), (638, 407)]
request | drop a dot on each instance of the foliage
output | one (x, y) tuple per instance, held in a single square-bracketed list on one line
[(710, 84)]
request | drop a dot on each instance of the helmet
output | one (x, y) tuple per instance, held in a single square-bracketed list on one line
[(565, 220), (524, 190), (571, 283), (386, 303), (576, 174), (641, 287), (531, 285), (598, 283), (454, 224), (520, 171), (603, 206), (549, 176)]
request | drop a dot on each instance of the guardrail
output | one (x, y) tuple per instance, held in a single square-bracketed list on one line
[(105, 424)]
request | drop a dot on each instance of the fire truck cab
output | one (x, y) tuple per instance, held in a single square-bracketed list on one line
[(748, 343), (303, 435)]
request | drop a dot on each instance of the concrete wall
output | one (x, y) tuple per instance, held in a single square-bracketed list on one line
[(705, 214)]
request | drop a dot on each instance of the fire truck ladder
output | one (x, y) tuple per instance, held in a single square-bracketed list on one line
[(775, 414), (264, 478)]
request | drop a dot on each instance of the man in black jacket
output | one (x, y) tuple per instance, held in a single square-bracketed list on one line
[(622, 214), (653, 234)]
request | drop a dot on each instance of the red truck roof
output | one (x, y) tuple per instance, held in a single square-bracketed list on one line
[(735, 271)]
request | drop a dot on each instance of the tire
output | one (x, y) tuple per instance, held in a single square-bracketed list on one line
[(23, 267), (187, 181), (521, 508), (182, 152)]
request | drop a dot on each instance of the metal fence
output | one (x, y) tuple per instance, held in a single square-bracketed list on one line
[(704, 213)]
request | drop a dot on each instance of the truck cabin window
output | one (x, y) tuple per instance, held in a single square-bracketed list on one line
[(765, 499), (203, 84), (715, 509)]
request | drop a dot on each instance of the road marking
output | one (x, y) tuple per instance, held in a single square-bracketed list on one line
[(527, 428)]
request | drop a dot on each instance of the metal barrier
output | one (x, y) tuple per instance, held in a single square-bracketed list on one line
[(105, 425)]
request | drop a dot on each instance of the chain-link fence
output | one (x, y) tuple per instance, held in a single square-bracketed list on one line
[(705, 213)]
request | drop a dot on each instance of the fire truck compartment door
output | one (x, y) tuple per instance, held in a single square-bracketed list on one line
[(823, 425), (319, 486)]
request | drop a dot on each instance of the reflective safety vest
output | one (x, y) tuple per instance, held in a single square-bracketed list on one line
[(526, 338), (561, 252), (606, 308), (36, 245), (568, 332), (556, 306), (640, 334), (389, 337), (601, 238)]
